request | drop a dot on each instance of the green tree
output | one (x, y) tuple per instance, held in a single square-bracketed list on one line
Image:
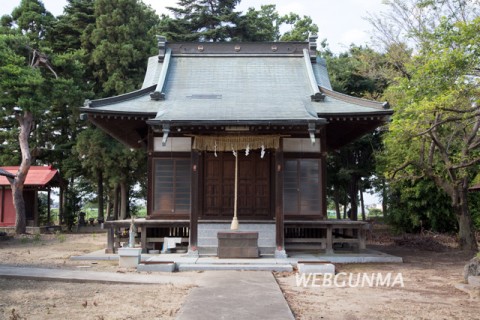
[(204, 20), (259, 25), (23, 98), (123, 39), (33, 20), (420, 205), (434, 132), (300, 27)]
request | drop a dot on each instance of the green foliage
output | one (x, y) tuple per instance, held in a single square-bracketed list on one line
[(420, 205), (374, 212), (300, 27), (60, 236), (259, 25), (202, 20), (123, 39), (360, 72), (434, 133), (33, 20), (474, 206), (37, 237)]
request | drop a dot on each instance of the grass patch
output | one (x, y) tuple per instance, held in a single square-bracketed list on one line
[(60, 236)]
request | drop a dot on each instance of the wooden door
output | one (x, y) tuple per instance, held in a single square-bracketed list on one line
[(254, 180)]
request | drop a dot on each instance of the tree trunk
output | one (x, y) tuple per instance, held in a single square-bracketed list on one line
[(353, 198), (26, 123), (336, 199), (466, 231), (100, 214), (362, 205), (345, 207), (123, 200), (384, 200), (115, 203)]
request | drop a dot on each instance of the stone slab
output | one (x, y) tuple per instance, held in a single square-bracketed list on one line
[(83, 276), (128, 261), (231, 266), (236, 295), (326, 268), (156, 267), (129, 252), (474, 281)]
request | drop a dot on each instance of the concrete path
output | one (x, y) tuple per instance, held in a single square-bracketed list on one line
[(219, 294), (95, 276), (236, 295)]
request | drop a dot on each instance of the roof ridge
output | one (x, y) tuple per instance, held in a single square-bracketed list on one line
[(122, 97), (355, 100)]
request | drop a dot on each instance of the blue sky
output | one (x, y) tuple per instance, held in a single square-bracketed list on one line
[(341, 22)]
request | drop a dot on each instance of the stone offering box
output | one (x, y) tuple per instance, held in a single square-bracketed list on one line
[(237, 244)]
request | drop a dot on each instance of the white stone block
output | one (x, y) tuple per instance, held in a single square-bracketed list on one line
[(316, 268), (129, 257)]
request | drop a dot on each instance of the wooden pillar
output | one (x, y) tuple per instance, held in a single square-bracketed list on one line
[(61, 206), (195, 203), (48, 206), (143, 238), (279, 218), (362, 237), (110, 240), (323, 173), (2, 207), (150, 173), (36, 220), (329, 248)]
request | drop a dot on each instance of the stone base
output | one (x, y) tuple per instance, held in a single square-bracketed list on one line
[(237, 244), (280, 254), (192, 253), (315, 267), (167, 266), (129, 257)]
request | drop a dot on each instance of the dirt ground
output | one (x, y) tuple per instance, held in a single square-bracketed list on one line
[(431, 269), (29, 299)]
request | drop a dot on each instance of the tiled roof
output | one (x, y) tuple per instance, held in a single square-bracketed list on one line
[(37, 175), (336, 103), (256, 82), (231, 88)]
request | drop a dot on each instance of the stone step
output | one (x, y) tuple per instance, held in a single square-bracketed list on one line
[(157, 267), (229, 266)]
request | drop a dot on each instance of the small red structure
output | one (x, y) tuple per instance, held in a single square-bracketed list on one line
[(39, 178)]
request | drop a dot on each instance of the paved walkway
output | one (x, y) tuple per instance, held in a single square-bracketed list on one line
[(219, 294), (93, 276), (236, 295)]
